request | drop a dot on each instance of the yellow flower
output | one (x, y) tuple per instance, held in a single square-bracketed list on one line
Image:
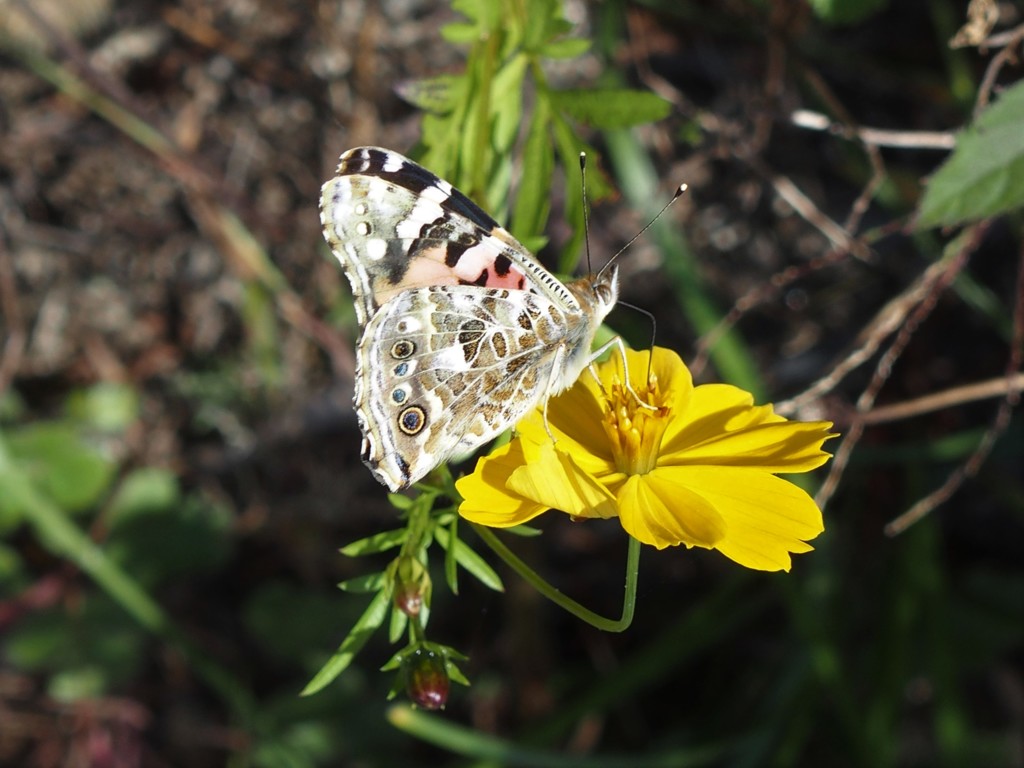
[(697, 469)]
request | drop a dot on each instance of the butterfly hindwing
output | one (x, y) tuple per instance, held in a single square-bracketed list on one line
[(447, 369)]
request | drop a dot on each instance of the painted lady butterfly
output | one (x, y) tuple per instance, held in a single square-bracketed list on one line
[(463, 332)]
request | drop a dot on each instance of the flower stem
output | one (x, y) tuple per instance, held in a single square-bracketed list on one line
[(564, 601)]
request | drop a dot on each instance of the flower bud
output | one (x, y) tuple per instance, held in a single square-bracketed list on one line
[(412, 585), (426, 679)]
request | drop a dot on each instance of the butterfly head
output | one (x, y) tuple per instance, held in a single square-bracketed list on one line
[(605, 288)]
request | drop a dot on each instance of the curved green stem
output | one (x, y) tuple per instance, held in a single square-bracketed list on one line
[(564, 601)]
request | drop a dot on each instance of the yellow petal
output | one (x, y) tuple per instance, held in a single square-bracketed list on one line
[(486, 498), (661, 512), (786, 446), (554, 479), (671, 375), (711, 410), (574, 418), (767, 518)]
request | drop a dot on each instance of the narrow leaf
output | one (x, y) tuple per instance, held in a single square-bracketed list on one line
[(611, 107), (451, 571), (507, 101), (569, 48), (370, 582), (396, 628), (379, 542), (470, 560), (369, 622), (533, 203), (431, 94)]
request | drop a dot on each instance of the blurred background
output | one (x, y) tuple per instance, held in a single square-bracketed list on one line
[(179, 458)]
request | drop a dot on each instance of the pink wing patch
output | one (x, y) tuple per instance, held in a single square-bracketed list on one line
[(444, 265)]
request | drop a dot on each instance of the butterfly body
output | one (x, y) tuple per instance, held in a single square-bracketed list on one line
[(463, 331)]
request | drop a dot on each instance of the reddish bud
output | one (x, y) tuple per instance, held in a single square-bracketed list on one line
[(412, 585), (426, 679)]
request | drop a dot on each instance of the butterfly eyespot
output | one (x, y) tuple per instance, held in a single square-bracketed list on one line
[(363, 228), (408, 325), (412, 420), (401, 369), (399, 395), (402, 349), (360, 209)]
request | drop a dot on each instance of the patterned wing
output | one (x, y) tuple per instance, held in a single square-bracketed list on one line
[(447, 369), (394, 226)]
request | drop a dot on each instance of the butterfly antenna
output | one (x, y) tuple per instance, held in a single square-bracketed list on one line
[(654, 330), (586, 211), (679, 192)]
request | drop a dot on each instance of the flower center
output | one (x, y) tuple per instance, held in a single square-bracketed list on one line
[(634, 431)]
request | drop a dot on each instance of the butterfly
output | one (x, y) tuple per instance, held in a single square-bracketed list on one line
[(463, 332)]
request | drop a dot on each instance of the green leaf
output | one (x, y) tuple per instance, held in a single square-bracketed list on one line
[(370, 582), (568, 146), (486, 14), (533, 205), (454, 672), (432, 94), (460, 34), (568, 48), (379, 542), (451, 571), (73, 474), (396, 628), (470, 560), (109, 407), (507, 101), (365, 626), (846, 11), (143, 491), (543, 22), (401, 502), (611, 107), (985, 175)]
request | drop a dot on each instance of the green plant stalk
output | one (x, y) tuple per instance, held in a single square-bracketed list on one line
[(460, 740), (77, 89), (564, 601), (479, 166)]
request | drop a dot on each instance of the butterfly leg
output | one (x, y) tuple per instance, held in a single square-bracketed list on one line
[(555, 368), (620, 345)]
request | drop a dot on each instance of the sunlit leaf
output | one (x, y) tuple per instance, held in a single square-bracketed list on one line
[(370, 582), (54, 455), (107, 406), (611, 107), (985, 174), (379, 542), (471, 561)]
